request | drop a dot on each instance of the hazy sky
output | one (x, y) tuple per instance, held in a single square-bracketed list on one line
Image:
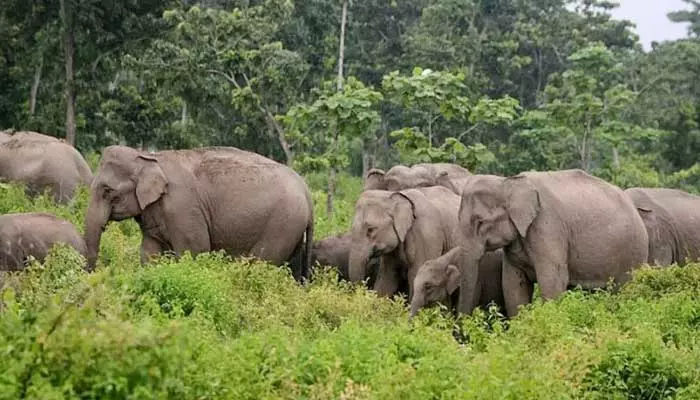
[(651, 20)]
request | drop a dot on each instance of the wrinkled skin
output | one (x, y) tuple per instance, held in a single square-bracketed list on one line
[(405, 229), (43, 162), (672, 219), (438, 280), (454, 183), (200, 200), (559, 229), (401, 177), (33, 234), (334, 251)]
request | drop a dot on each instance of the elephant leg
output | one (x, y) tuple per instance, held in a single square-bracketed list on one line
[(517, 288), (552, 272), (149, 248), (388, 277)]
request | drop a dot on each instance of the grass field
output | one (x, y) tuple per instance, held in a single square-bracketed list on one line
[(213, 328)]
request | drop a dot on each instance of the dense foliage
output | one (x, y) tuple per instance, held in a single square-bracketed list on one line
[(214, 328), (499, 86)]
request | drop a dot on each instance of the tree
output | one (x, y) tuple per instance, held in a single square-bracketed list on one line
[(321, 132)]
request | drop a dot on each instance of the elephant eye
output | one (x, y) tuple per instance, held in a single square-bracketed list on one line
[(370, 231)]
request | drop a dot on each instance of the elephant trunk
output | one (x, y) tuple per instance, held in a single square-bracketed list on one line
[(417, 302), (469, 276), (95, 221), (357, 263)]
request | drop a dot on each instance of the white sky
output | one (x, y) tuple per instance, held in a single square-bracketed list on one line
[(650, 18)]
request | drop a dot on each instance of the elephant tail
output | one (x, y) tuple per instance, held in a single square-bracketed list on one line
[(307, 257)]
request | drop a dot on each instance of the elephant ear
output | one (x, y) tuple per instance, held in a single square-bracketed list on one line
[(522, 202), (453, 277), (151, 182), (403, 213)]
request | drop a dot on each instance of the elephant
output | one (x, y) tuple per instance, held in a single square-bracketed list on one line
[(405, 229), (438, 280), (374, 180), (672, 220), (205, 199), (454, 183), (33, 234), (40, 162), (334, 251), (400, 177), (560, 229)]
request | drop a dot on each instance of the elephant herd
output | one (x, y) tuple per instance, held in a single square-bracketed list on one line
[(437, 233), (434, 232)]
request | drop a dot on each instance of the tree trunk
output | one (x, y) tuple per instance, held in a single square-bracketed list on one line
[(341, 55), (275, 127), (35, 86), (69, 55), (183, 117)]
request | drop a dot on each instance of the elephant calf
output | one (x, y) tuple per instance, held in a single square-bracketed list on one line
[(33, 234), (438, 280), (672, 219), (334, 251)]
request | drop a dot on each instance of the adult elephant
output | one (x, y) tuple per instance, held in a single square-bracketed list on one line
[(559, 229), (43, 162), (405, 229), (672, 219), (33, 234), (203, 200), (438, 281), (400, 177), (334, 251)]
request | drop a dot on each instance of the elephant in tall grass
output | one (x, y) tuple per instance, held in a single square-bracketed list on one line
[(202, 200), (672, 219), (559, 229), (33, 234), (43, 162)]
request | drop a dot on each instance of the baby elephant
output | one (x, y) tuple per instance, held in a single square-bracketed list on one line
[(334, 251), (33, 234), (438, 280)]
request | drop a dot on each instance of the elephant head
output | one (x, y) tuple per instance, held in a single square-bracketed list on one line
[(494, 212), (127, 181), (381, 222), (375, 180), (437, 280)]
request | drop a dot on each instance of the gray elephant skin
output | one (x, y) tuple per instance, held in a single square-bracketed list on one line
[(400, 177), (405, 229), (334, 251), (200, 200), (438, 281), (672, 219), (43, 162), (559, 229), (33, 234)]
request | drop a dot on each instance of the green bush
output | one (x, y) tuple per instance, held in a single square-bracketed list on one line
[(213, 327)]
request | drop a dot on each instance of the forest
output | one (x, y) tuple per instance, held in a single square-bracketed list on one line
[(334, 88)]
